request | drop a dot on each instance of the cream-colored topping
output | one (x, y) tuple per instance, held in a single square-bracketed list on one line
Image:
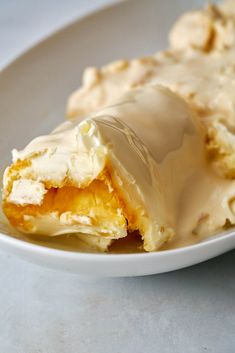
[(72, 152)]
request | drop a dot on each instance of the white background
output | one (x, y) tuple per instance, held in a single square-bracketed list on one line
[(43, 311)]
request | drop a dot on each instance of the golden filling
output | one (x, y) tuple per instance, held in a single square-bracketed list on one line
[(99, 201)]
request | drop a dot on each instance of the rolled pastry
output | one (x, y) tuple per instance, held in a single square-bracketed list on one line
[(136, 165)]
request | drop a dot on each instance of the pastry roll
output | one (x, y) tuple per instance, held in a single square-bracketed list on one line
[(136, 165)]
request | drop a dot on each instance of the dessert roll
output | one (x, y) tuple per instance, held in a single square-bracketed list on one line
[(105, 176), (138, 165)]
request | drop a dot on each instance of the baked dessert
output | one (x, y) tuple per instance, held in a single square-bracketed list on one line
[(109, 174)]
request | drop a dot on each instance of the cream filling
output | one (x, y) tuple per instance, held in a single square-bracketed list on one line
[(27, 192)]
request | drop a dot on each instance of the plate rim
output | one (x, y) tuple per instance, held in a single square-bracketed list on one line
[(23, 244)]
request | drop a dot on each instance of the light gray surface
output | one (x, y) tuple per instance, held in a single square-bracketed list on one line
[(43, 311), (187, 311), (24, 22)]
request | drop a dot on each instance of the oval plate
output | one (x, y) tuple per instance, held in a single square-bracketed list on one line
[(33, 93)]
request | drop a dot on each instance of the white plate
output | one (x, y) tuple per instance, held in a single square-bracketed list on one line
[(33, 93)]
